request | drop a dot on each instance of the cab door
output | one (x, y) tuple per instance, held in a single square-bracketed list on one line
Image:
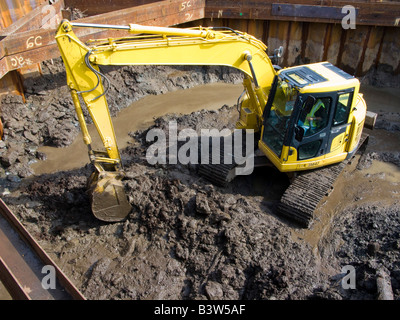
[(339, 133), (315, 124)]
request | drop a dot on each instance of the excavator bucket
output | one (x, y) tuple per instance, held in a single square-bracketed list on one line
[(108, 198)]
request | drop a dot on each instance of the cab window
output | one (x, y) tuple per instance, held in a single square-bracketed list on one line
[(342, 108), (309, 150), (315, 119)]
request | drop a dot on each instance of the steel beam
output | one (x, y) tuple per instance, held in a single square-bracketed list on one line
[(95, 7), (22, 261), (30, 47), (325, 11), (35, 19)]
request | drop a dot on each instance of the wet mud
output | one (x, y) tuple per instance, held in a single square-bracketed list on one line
[(185, 238)]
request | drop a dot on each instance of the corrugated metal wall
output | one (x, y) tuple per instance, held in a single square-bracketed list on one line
[(355, 51)]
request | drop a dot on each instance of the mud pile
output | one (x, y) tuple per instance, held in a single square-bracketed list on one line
[(370, 242), (185, 238)]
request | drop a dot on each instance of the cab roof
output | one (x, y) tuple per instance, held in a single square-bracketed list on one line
[(322, 76)]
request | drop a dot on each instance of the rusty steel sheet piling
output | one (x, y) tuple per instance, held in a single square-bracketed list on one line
[(25, 268)]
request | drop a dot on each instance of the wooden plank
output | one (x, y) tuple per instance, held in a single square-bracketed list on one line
[(307, 11), (327, 41), (14, 287), (171, 12), (27, 58), (11, 83), (148, 12), (30, 47), (95, 7), (369, 13), (26, 41), (34, 19), (332, 50), (359, 68), (12, 10), (44, 16)]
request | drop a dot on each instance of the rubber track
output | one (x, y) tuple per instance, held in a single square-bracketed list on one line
[(302, 197), (219, 174)]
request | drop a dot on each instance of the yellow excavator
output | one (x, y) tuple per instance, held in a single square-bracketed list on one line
[(307, 119)]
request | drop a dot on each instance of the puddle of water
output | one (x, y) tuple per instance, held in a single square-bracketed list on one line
[(386, 171), (140, 115), (323, 216), (377, 184)]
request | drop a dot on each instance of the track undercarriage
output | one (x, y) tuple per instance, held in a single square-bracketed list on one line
[(304, 193)]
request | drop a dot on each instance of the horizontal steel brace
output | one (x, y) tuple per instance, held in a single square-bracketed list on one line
[(308, 11)]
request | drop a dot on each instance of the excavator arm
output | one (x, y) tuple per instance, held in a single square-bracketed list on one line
[(149, 46)]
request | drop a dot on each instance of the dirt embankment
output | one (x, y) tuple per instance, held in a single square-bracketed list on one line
[(48, 116), (187, 239)]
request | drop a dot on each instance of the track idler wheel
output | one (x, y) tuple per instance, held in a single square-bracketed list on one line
[(108, 198)]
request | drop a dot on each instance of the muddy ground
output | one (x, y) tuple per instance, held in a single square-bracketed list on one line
[(185, 238)]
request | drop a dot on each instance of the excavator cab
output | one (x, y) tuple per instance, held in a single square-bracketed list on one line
[(312, 118)]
